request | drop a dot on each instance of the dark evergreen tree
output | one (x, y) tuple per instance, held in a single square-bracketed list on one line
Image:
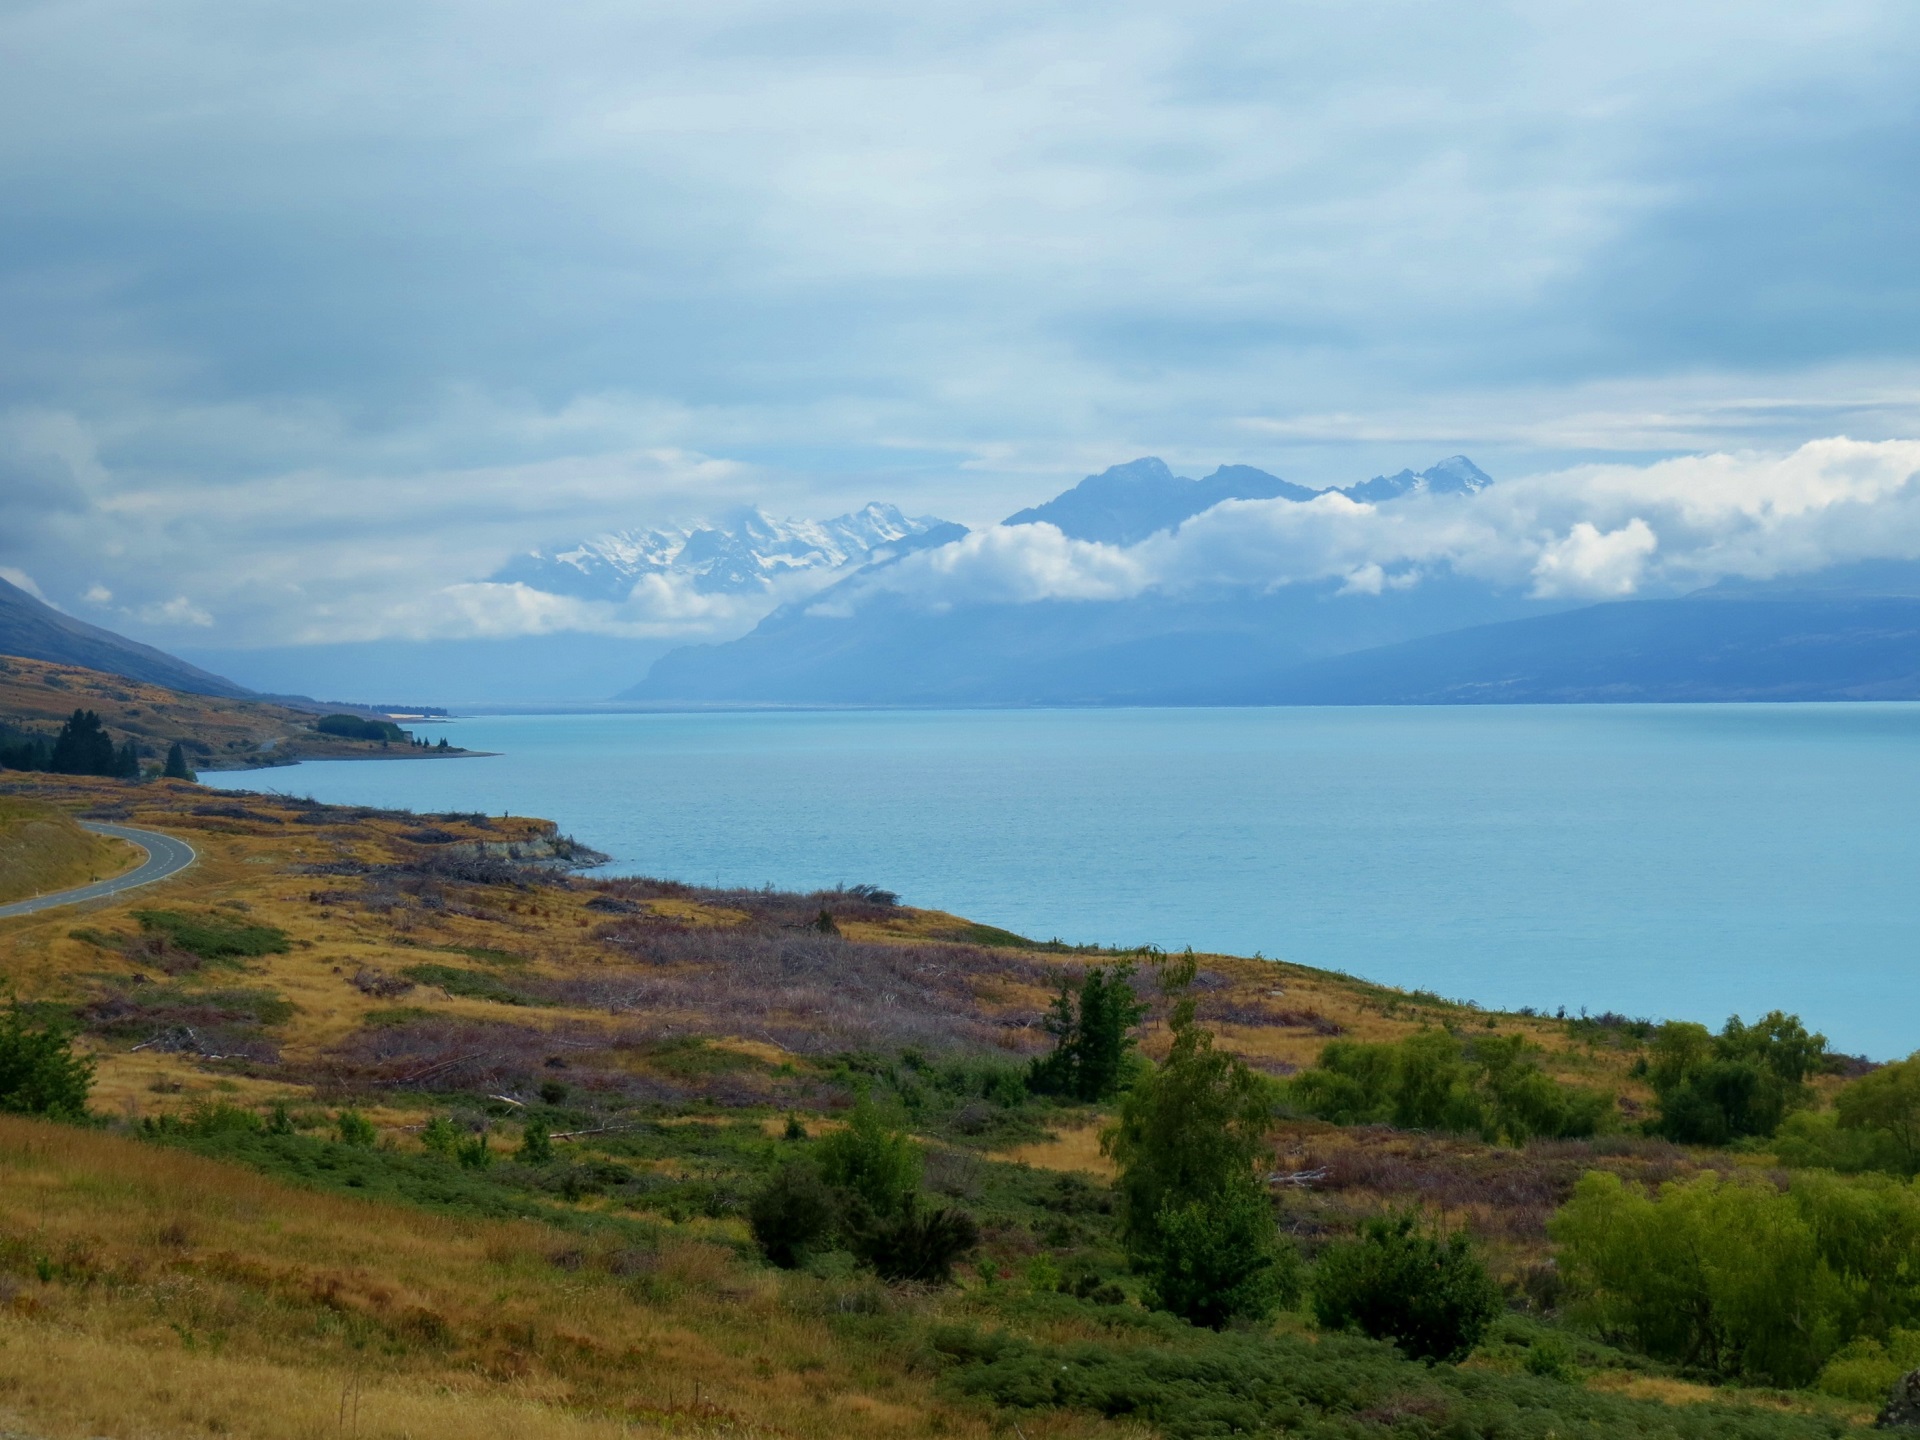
[(1194, 1211), (126, 762), (1092, 1038), (177, 767), (84, 747), (21, 750)]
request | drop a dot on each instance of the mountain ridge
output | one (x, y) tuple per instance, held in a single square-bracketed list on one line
[(33, 630), (748, 551)]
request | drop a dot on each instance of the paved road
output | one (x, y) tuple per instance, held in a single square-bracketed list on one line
[(165, 856)]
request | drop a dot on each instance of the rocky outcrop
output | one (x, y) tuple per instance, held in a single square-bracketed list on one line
[(1902, 1410)]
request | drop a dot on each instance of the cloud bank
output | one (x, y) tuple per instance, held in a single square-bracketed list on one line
[(311, 317), (1596, 532)]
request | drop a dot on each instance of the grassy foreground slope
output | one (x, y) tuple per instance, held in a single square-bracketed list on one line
[(263, 1239), (42, 849)]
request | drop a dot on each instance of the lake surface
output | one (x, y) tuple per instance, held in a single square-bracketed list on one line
[(1671, 861)]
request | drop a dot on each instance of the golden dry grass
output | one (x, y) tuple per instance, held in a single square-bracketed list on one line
[(198, 1298), (43, 850)]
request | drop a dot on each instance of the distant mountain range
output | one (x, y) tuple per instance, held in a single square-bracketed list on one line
[(748, 552), (1849, 633), (856, 638), (1151, 649)]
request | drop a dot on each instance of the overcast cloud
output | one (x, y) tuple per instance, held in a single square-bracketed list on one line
[(309, 318)]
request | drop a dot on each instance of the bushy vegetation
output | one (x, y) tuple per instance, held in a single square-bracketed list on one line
[(1874, 1125), (1742, 1082), (1093, 1037), (1491, 1086), (1426, 1293), (1194, 1212), (1739, 1278), (1197, 1386), (211, 936), (860, 1189), (40, 1072), (360, 727)]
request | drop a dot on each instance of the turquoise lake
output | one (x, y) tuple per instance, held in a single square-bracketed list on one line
[(1668, 861)]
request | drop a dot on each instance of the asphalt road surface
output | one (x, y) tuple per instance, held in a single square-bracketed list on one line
[(165, 856)]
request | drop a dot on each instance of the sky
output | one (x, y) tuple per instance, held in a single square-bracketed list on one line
[(311, 318)]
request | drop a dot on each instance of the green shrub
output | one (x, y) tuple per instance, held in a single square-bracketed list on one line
[(40, 1073), (1886, 1106), (213, 937), (1551, 1358), (1194, 1213), (1428, 1295), (536, 1144), (355, 1129), (793, 1215), (473, 1153), (918, 1243), (1490, 1085), (1093, 1039), (1198, 1385), (1739, 1083), (878, 1166), (359, 727), (1736, 1277), (1814, 1140), (470, 984), (439, 1136), (1199, 1266), (1864, 1369)]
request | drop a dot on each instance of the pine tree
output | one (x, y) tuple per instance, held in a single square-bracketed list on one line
[(1092, 1039), (177, 767), (84, 747), (1194, 1213)]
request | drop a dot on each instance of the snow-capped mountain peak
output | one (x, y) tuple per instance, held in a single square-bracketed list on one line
[(746, 552)]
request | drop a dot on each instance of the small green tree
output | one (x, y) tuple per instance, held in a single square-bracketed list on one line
[(1093, 1038), (176, 767), (1886, 1103), (1742, 1082), (877, 1165), (1194, 1213), (793, 1214), (439, 1136), (40, 1072), (474, 1153), (355, 1129), (536, 1143), (1428, 1295)]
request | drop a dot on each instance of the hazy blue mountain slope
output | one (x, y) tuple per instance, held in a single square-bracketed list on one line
[(1806, 647), (37, 631), (1150, 650), (1126, 503)]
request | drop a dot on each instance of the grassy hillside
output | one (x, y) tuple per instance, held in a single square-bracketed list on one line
[(234, 1253), (217, 733), (41, 849)]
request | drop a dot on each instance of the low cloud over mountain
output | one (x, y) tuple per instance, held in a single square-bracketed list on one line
[(1205, 595)]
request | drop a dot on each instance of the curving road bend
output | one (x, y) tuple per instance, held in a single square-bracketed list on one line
[(165, 856)]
